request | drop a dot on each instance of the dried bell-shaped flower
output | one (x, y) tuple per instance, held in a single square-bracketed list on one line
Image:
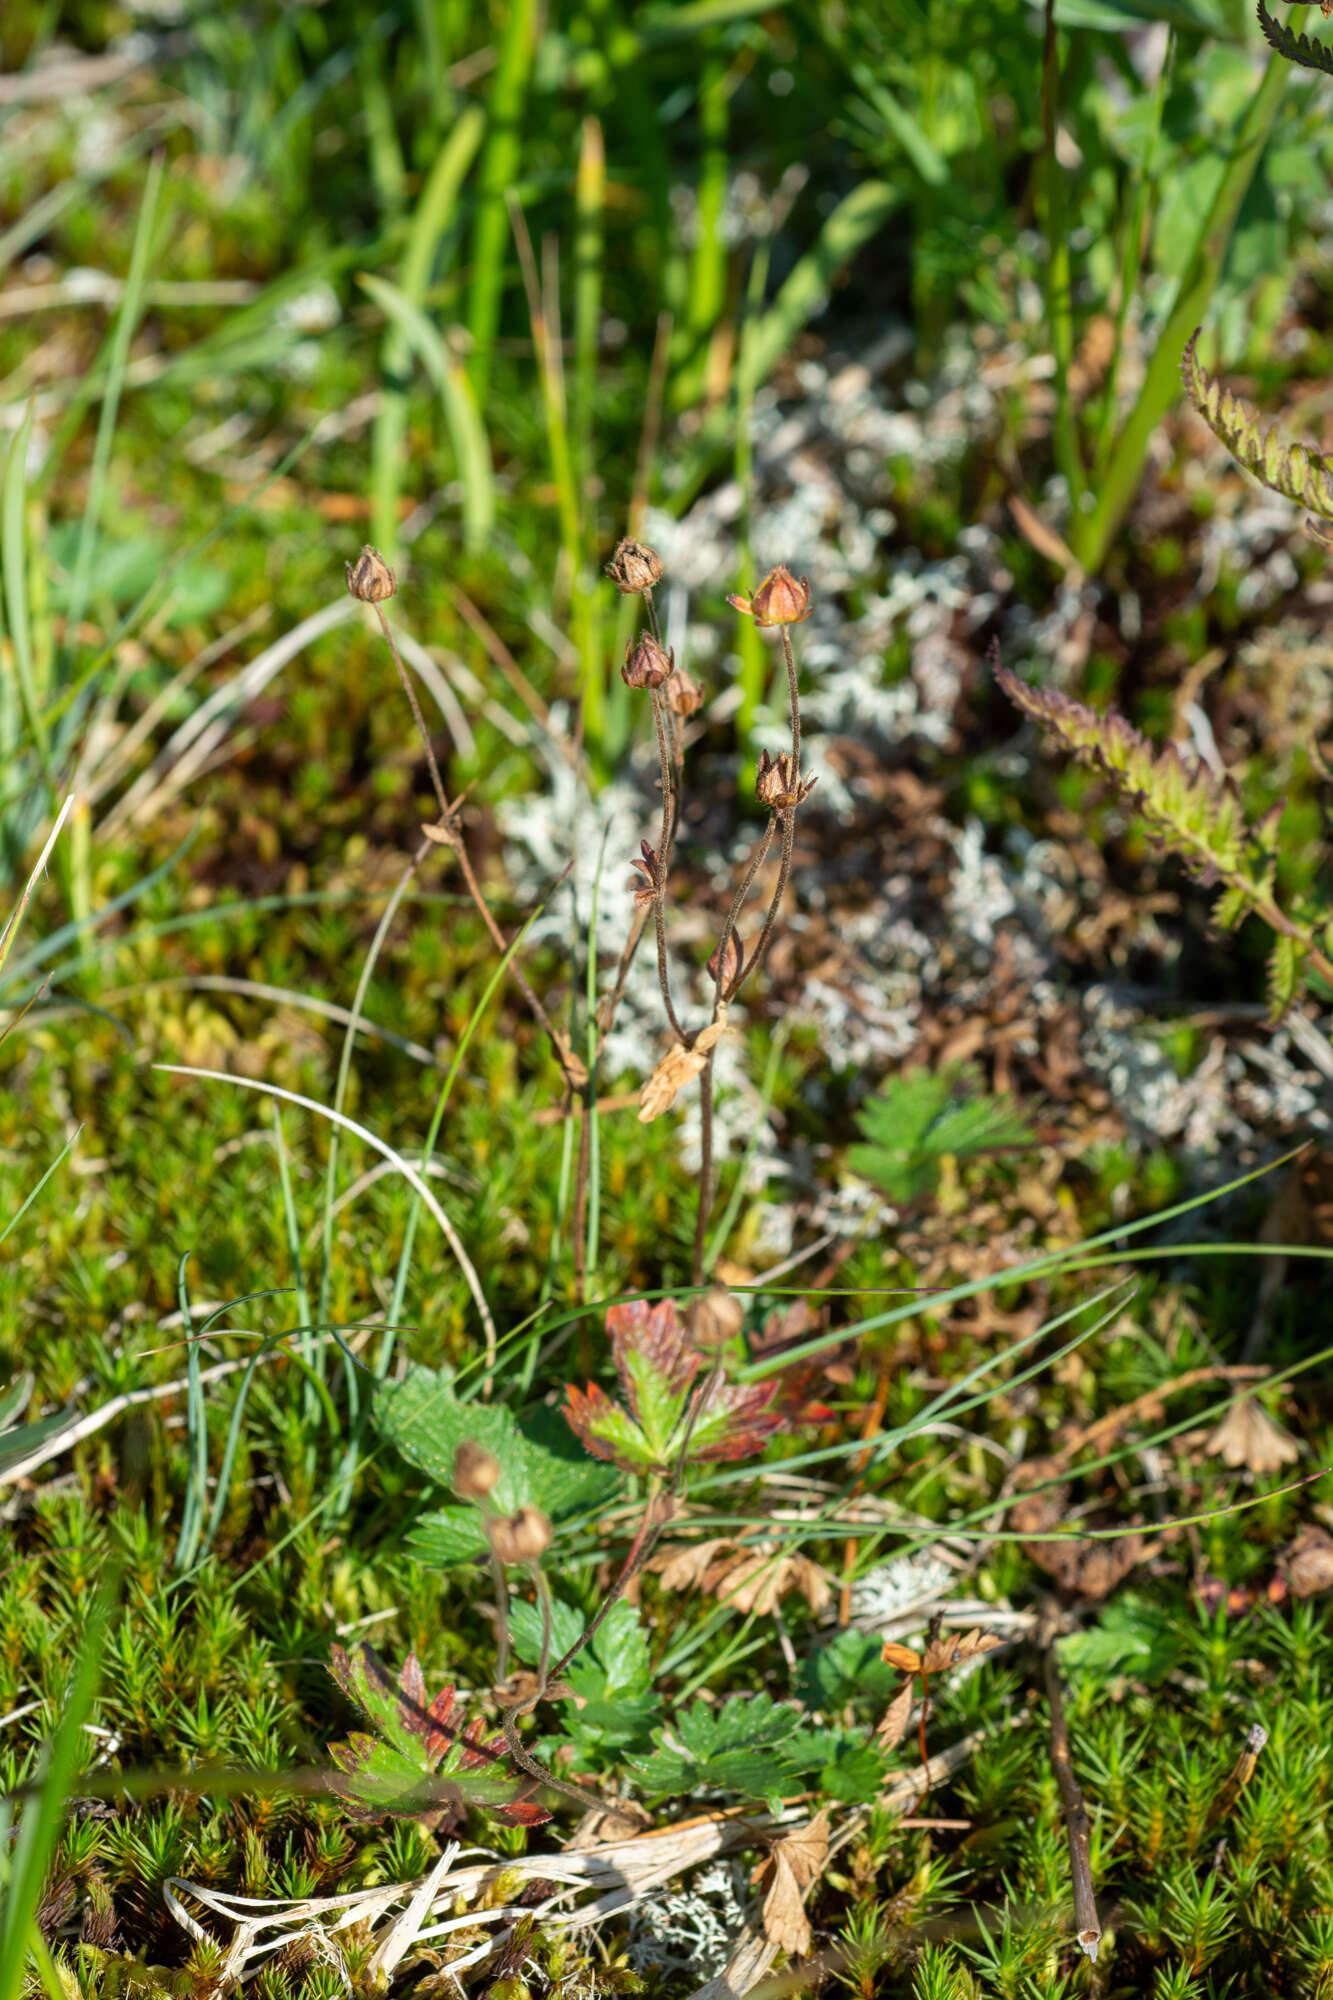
[(683, 696), (647, 664), (370, 577), (645, 892), (778, 600), (476, 1471), (520, 1537), (778, 783), (634, 567), (735, 959)]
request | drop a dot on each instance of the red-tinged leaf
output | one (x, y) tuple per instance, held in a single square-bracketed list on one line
[(657, 1362), (354, 1754), (413, 1682), (735, 1422), (523, 1813), (607, 1430)]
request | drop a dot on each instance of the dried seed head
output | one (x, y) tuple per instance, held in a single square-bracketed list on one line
[(645, 892), (715, 1318), (735, 959), (370, 577), (521, 1537), (634, 567), (778, 600), (647, 665), (778, 784), (476, 1471), (683, 696)]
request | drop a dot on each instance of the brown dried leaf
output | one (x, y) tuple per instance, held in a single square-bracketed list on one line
[(682, 1564), (678, 1067), (949, 1650), (1308, 1562), (892, 1726), (753, 1579), (792, 1864), (1247, 1436)]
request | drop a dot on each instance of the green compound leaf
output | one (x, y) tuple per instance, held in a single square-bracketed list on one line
[(1293, 470), (1296, 48), (919, 1118), (742, 1746)]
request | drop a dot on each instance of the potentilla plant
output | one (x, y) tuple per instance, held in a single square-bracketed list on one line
[(779, 603)]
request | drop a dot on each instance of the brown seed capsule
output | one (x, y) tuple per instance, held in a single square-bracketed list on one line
[(370, 577), (734, 961), (634, 567), (715, 1318), (683, 696), (778, 600), (521, 1537), (476, 1471), (776, 783), (647, 665)]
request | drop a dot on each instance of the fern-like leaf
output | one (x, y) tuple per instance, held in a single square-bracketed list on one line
[(1186, 809), (1296, 48), (1290, 469)]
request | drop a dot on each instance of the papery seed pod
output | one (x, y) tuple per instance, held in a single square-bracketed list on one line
[(683, 696), (715, 1318), (476, 1471), (370, 577), (778, 600), (735, 959), (645, 892), (634, 567), (520, 1537), (647, 665)]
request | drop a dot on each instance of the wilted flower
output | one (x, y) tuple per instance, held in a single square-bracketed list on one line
[(634, 567), (779, 599), (779, 784), (647, 664), (683, 696), (370, 577), (715, 1318)]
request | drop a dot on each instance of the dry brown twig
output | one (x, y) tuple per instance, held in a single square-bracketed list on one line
[(1087, 1924)]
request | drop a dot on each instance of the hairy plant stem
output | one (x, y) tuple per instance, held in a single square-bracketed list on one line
[(1088, 1929), (666, 841), (737, 905), (564, 1055), (705, 1205)]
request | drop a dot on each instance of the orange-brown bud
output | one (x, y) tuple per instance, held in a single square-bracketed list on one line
[(476, 1471), (683, 696), (779, 599), (370, 577), (634, 567), (521, 1537), (647, 665)]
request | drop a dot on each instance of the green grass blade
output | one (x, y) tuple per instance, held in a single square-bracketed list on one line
[(472, 453), (131, 308), (14, 922), (14, 560), (498, 173), (432, 218)]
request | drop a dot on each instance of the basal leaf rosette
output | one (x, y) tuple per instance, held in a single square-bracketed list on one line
[(666, 1412)]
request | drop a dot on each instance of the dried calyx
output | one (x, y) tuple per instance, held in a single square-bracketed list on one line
[(683, 696), (645, 892), (647, 664), (779, 600), (476, 1471), (634, 567), (715, 1318), (732, 960), (779, 784), (370, 577), (520, 1537)]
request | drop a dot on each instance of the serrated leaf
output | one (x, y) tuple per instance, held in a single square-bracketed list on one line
[(738, 1746), (1296, 48), (1284, 973), (1293, 470), (849, 1668), (1132, 1636), (920, 1117), (454, 1535), (525, 1629)]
